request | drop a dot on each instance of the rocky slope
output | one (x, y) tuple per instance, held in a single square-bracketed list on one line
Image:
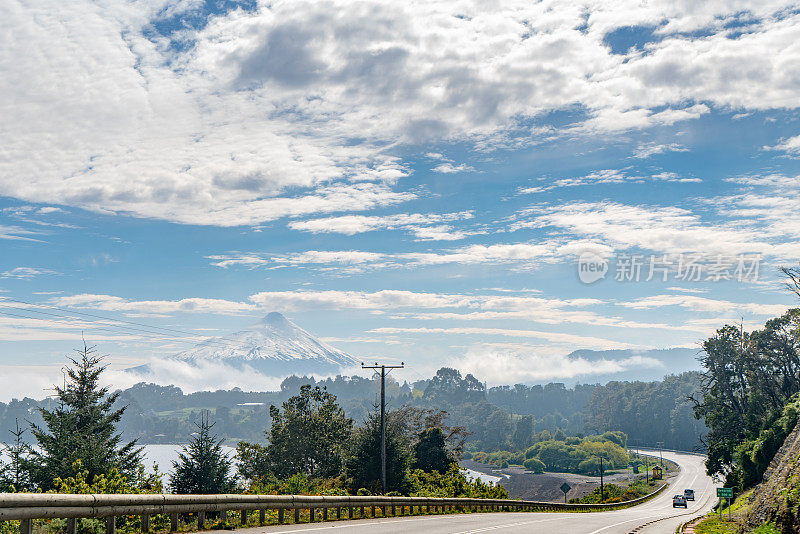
[(777, 499)]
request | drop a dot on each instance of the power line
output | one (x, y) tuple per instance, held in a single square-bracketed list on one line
[(131, 330), (85, 314)]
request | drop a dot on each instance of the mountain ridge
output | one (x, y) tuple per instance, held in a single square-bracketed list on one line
[(274, 346)]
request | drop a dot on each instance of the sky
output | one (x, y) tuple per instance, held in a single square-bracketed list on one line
[(484, 185)]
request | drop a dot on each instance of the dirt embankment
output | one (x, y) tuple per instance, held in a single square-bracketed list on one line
[(777, 499), (544, 487)]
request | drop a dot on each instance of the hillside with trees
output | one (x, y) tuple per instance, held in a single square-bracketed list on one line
[(496, 418)]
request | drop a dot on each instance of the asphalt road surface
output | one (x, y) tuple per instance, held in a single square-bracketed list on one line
[(656, 516)]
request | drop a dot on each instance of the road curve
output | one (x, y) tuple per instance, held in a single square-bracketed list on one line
[(653, 517)]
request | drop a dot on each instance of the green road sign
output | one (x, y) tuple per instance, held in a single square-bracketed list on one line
[(725, 493), (565, 487)]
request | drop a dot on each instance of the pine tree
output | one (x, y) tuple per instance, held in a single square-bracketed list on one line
[(430, 451), (14, 477), (202, 467), (82, 427), (363, 466)]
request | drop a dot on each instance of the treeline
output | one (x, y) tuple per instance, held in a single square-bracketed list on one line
[(312, 447), (496, 418), (749, 396), (558, 452), (650, 412)]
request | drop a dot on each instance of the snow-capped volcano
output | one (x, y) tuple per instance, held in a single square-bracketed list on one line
[(274, 346)]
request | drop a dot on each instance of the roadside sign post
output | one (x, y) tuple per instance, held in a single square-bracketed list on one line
[(565, 488), (727, 494)]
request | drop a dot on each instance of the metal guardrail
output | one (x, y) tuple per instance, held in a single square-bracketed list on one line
[(28, 506), (656, 449)]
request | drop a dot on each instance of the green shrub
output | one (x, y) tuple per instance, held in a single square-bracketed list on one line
[(535, 465), (754, 456)]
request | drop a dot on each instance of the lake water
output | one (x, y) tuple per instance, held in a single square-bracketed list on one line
[(165, 455), (482, 476)]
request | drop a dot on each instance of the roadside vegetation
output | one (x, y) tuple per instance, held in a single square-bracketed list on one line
[(312, 448), (557, 452), (750, 402), (613, 493)]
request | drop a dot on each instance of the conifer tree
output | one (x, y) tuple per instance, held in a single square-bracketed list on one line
[(81, 427), (202, 467), (363, 466), (14, 477)]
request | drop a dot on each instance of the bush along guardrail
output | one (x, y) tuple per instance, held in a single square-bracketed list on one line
[(26, 507)]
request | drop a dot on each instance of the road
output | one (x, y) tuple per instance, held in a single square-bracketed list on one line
[(653, 517)]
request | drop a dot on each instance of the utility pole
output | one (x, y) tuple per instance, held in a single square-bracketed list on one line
[(660, 455), (383, 369)]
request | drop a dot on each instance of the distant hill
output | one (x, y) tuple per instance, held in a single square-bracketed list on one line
[(274, 346)]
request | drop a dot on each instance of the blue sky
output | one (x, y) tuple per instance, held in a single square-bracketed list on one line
[(411, 182)]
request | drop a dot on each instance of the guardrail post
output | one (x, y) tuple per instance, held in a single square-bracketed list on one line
[(312, 515), (224, 516), (338, 512), (111, 525), (393, 510), (72, 525), (350, 512), (243, 517), (173, 522), (201, 520), (26, 526), (297, 515), (373, 511), (145, 523), (324, 513)]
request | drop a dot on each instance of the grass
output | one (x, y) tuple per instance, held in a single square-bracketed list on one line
[(713, 524)]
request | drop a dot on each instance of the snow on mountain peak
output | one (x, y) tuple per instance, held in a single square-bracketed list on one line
[(274, 345)]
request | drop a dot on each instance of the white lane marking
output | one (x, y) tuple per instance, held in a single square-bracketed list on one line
[(353, 524), (390, 520), (507, 525), (617, 524)]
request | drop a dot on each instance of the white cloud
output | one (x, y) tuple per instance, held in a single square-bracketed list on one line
[(26, 273), (504, 367), (191, 305), (449, 168), (790, 145), (521, 255), (357, 224), (296, 108), (661, 229), (702, 304), (199, 376), (674, 177), (17, 233), (18, 381), (571, 340), (651, 149)]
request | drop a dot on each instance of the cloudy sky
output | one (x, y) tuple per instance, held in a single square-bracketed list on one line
[(406, 180)]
